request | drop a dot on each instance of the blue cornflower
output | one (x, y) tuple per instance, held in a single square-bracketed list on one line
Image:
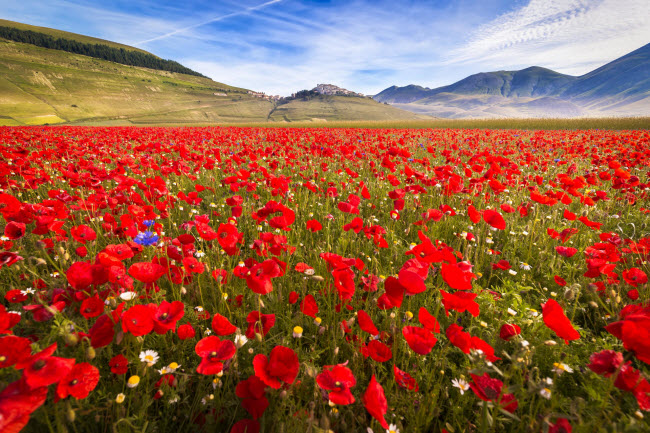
[(148, 223), (146, 238)]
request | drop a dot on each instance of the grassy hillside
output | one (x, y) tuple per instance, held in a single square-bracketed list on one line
[(67, 35), (336, 108), (38, 85), (46, 86)]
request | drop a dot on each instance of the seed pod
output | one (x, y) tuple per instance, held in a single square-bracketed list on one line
[(90, 353)]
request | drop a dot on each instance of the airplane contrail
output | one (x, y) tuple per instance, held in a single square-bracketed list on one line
[(213, 20)]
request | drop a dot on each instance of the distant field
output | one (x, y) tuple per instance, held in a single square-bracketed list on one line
[(606, 123), (337, 108)]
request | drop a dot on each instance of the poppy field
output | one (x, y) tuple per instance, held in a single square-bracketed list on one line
[(324, 280)]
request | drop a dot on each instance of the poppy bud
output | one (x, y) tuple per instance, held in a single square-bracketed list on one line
[(90, 353), (592, 304), (70, 415), (283, 394), (71, 339), (258, 336), (317, 278), (183, 291), (569, 295)]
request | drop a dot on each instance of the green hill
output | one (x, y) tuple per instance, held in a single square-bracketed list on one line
[(67, 35), (41, 85), (337, 108)]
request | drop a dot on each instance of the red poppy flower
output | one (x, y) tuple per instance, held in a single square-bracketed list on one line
[(220, 276), (559, 281), (366, 323), (508, 331), (119, 364), (228, 238), (561, 425), (314, 226), (222, 326), (566, 251), (9, 204), (15, 230), (489, 389), (633, 330), (427, 320), (337, 379), (82, 233), (635, 277), (186, 332), (378, 351), (558, 322), (246, 426), (459, 338), (501, 264), (13, 350), (15, 296), (91, 307), (193, 266), (460, 301), (281, 366), (212, 351), (82, 379), (252, 392), (17, 402), (405, 380), (147, 272), (166, 315), (8, 258), (456, 277), (420, 340), (356, 225), (258, 278), (43, 369), (411, 281), (494, 219), (309, 307), (102, 332), (259, 324), (138, 320), (375, 402)]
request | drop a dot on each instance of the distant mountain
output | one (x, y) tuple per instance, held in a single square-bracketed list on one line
[(621, 87)]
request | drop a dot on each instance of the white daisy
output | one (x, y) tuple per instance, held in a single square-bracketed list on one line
[(149, 356), (461, 384)]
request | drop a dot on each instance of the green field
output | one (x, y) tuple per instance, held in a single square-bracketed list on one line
[(337, 108), (604, 123)]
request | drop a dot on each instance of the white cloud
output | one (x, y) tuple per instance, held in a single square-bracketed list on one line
[(570, 36)]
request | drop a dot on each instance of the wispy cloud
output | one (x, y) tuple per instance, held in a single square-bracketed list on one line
[(572, 36), (210, 21)]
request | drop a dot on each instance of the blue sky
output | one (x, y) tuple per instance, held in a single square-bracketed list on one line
[(281, 46)]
